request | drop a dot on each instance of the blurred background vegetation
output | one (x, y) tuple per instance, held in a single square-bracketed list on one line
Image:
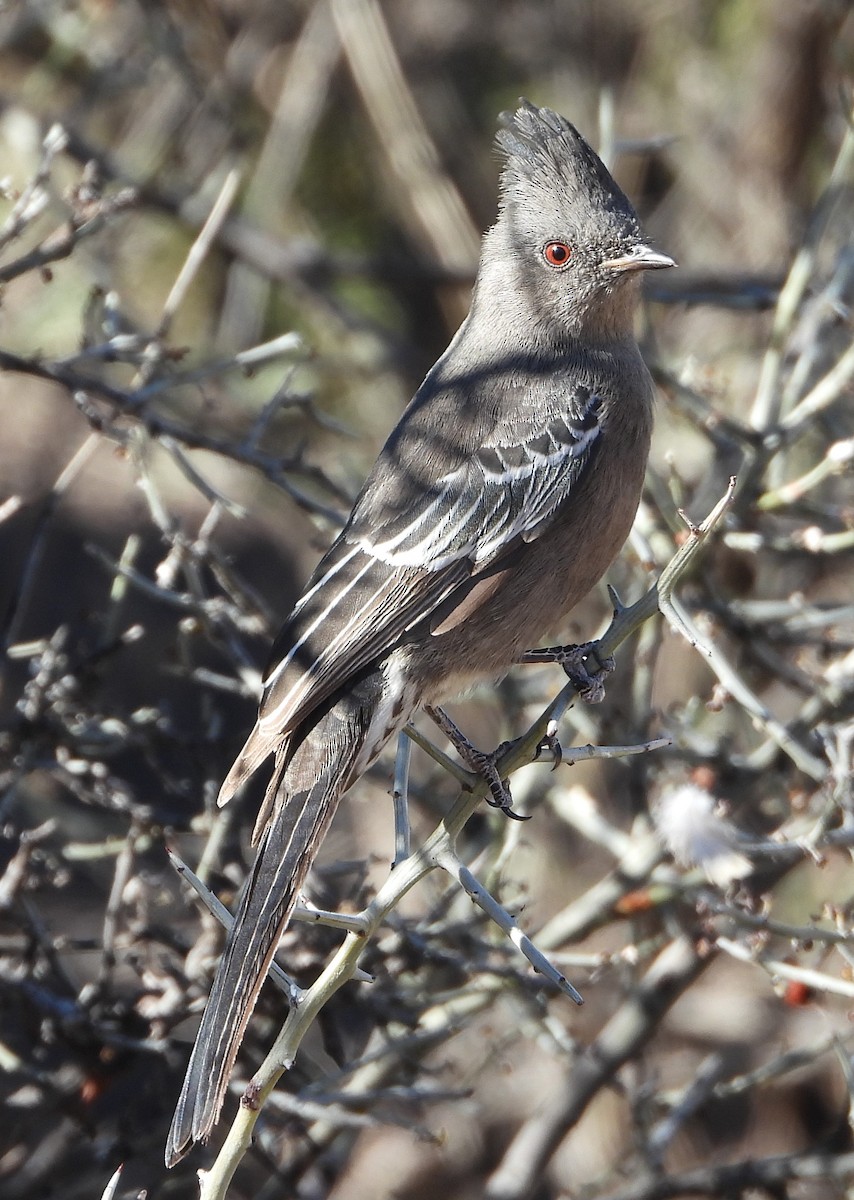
[(165, 490)]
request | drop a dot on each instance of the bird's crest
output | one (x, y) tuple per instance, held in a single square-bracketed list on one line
[(544, 149)]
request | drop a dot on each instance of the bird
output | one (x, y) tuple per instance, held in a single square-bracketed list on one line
[(503, 494)]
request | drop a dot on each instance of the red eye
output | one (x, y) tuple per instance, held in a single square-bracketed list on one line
[(556, 254)]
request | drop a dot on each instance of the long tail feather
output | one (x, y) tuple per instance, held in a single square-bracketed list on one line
[(308, 795)]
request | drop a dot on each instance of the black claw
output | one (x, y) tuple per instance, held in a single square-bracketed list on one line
[(557, 750), (550, 742), (504, 804), (499, 788)]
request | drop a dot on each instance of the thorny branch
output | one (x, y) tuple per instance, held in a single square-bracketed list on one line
[(439, 850), (131, 651)]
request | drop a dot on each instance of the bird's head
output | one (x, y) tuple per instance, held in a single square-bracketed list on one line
[(567, 239)]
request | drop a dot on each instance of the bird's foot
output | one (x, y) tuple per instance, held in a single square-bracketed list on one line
[(550, 745), (482, 762), (577, 662), (485, 765)]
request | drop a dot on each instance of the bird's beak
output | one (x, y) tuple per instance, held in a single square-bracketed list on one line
[(640, 258)]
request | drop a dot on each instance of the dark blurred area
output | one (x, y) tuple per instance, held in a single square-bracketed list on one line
[(171, 467)]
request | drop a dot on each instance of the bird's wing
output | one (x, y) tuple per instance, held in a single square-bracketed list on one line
[(393, 566)]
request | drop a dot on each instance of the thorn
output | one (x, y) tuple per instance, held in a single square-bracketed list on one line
[(693, 529), (616, 602)]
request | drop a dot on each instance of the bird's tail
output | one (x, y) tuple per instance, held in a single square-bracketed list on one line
[(319, 770)]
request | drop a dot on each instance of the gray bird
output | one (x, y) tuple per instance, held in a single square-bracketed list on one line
[(501, 497)]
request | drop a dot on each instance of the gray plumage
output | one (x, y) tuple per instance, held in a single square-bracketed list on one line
[(499, 500)]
